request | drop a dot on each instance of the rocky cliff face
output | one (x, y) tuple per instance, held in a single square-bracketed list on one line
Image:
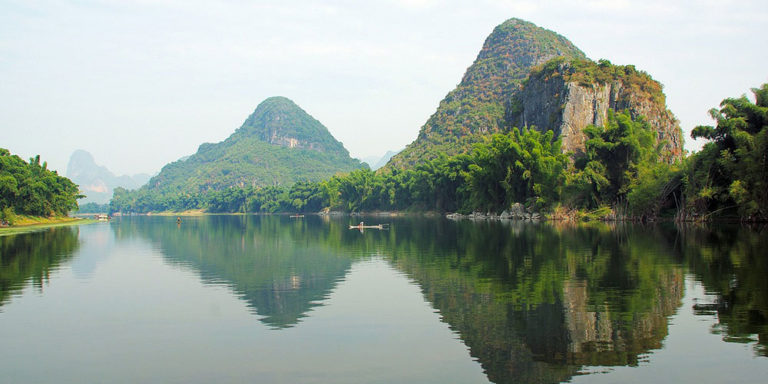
[(478, 104), (568, 96), (529, 76)]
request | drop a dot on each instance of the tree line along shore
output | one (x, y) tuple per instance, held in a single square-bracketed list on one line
[(620, 176)]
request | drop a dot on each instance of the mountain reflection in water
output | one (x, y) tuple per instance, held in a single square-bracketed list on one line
[(533, 302)]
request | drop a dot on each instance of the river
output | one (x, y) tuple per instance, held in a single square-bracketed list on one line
[(274, 299)]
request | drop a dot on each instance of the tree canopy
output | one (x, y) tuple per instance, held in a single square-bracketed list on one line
[(731, 170), (32, 189)]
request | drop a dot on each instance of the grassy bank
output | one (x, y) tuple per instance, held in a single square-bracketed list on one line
[(35, 223)]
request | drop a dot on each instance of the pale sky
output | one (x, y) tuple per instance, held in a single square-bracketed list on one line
[(140, 83)]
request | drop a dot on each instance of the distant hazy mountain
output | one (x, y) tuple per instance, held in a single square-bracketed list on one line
[(376, 162), (96, 181), (278, 144), (370, 160)]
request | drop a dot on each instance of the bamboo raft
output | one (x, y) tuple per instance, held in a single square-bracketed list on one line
[(362, 226)]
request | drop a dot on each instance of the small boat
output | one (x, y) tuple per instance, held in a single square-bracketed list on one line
[(362, 226), (296, 216)]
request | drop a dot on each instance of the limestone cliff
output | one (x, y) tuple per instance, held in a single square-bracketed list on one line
[(477, 106), (567, 96), (529, 76)]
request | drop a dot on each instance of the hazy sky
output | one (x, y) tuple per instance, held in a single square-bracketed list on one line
[(140, 83)]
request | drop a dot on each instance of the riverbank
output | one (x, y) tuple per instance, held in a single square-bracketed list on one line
[(35, 223)]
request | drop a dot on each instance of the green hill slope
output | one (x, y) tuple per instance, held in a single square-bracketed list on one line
[(479, 104), (279, 144)]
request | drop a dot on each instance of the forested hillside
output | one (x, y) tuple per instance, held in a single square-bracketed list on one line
[(479, 103), (278, 145), (529, 77)]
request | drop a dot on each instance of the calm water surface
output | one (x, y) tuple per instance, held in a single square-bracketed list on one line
[(271, 299)]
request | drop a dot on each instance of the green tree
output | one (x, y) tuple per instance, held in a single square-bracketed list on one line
[(521, 166), (621, 164), (731, 170), (32, 189)]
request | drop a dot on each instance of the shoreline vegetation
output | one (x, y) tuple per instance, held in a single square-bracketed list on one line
[(25, 223), (31, 194), (621, 176), (558, 216)]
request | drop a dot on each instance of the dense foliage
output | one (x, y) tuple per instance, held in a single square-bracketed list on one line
[(730, 174), (31, 189), (520, 166), (93, 208), (615, 168)]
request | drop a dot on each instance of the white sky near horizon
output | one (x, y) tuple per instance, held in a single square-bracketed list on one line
[(141, 83)]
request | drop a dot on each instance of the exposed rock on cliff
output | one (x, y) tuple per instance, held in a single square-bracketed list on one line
[(568, 95), (478, 104), (529, 76), (279, 121)]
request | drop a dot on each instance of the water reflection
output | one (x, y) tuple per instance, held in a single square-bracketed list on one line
[(33, 257), (731, 263), (532, 302), (535, 302), (281, 268)]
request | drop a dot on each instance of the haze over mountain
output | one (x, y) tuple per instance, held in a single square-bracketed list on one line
[(278, 144), (495, 95), (376, 162), (97, 182)]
